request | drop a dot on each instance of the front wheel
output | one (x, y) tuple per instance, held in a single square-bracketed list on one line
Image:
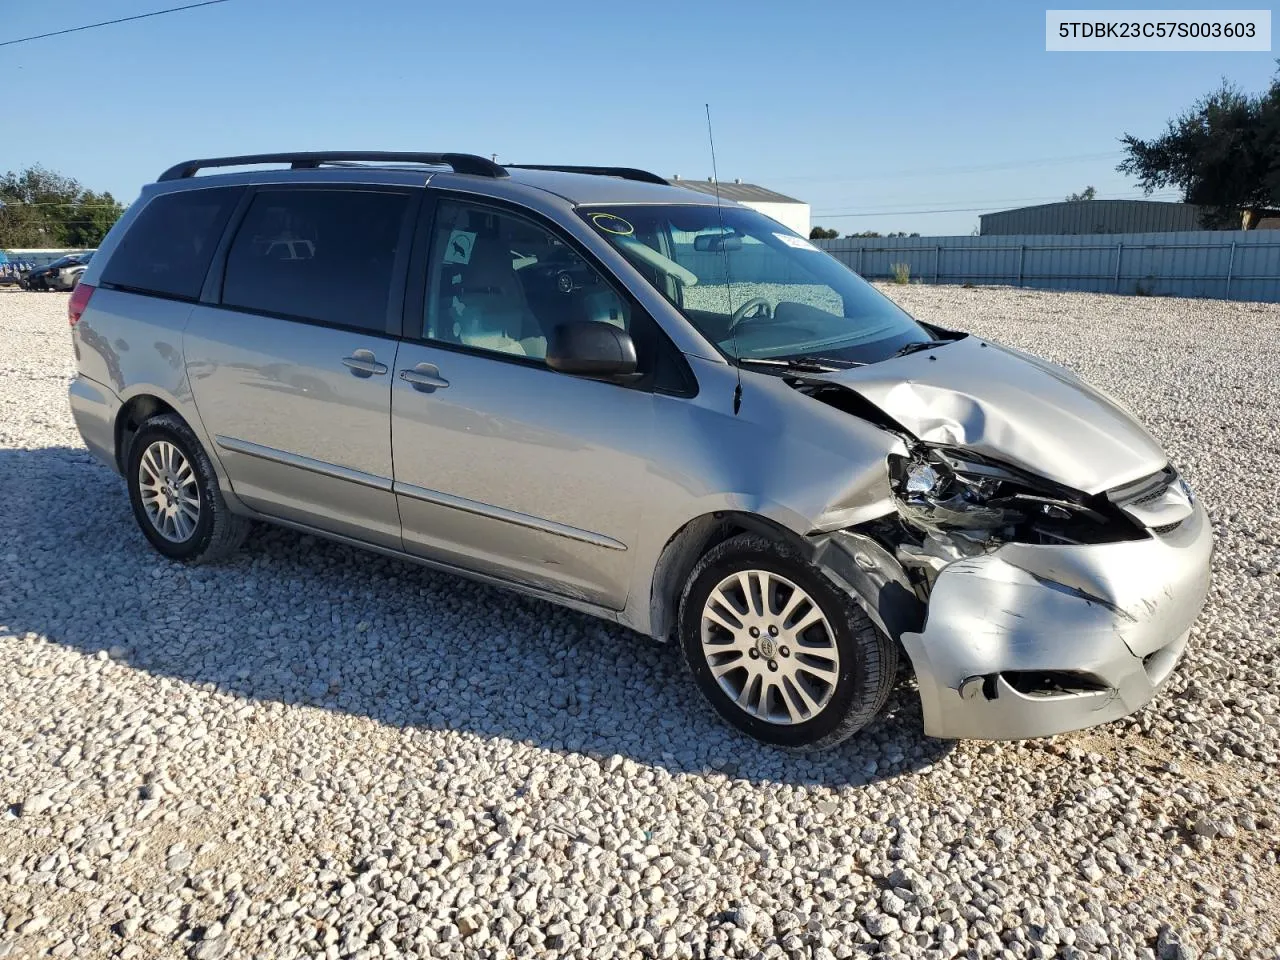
[(175, 496), (781, 652)]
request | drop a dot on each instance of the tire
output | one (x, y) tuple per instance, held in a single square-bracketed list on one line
[(214, 532), (843, 644)]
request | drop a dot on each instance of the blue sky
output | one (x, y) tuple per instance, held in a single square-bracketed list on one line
[(858, 108)]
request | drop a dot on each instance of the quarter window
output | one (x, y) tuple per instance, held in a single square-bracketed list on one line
[(322, 255), (501, 283), (167, 249)]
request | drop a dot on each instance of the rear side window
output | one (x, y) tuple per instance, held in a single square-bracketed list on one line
[(168, 248), (322, 255)]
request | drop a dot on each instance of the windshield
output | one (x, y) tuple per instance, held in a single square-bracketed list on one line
[(753, 287)]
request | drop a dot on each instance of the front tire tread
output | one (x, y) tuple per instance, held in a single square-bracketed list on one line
[(865, 690)]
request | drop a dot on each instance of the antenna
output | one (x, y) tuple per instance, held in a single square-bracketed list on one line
[(728, 285)]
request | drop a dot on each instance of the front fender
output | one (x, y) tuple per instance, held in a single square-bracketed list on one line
[(790, 460)]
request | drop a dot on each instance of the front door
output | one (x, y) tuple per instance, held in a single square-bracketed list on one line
[(503, 465), (291, 373)]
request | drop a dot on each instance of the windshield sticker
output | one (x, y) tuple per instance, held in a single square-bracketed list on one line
[(612, 223), (458, 250), (797, 242)]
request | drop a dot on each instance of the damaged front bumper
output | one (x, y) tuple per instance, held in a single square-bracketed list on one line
[(1032, 640)]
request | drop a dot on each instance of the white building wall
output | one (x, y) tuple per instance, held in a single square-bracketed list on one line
[(793, 215)]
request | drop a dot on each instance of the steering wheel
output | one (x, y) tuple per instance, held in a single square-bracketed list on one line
[(740, 315)]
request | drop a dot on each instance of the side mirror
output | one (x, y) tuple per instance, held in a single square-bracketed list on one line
[(592, 348)]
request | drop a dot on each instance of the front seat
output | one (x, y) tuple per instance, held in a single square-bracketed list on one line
[(492, 310)]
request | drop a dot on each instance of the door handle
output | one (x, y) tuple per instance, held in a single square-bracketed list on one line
[(362, 363), (425, 377)]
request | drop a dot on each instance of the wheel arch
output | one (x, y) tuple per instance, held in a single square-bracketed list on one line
[(855, 561), (133, 413), (688, 545)]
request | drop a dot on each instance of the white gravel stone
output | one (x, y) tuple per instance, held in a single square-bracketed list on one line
[(313, 751)]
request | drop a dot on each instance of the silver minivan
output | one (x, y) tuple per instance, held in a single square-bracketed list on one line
[(604, 390)]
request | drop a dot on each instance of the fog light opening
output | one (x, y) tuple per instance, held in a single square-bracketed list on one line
[(1053, 683), (970, 687)]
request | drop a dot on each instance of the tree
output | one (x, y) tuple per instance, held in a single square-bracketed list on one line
[(1088, 193), (823, 233), (871, 234), (96, 214), (40, 208), (1223, 153)]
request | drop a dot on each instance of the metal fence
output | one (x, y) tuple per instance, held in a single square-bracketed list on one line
[(1222, 264)]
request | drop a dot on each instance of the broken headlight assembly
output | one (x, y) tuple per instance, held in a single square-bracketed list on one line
[(961, 496)]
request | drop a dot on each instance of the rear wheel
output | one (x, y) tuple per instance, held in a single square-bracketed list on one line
[(781, 652), (175, 496)]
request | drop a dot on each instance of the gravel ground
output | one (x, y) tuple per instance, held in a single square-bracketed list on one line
[(314, 751)]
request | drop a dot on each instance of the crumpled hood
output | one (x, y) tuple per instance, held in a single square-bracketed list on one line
[(1012, 407)]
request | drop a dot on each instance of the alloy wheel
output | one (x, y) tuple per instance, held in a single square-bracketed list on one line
[(770, 647), (170, 493)]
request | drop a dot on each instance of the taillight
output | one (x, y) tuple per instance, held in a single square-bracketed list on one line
[(79, 302)]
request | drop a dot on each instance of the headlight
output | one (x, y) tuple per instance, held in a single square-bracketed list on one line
[(932, 495), (921, 479), (943, 492)]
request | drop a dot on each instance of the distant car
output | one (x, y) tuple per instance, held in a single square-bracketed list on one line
[(63, 274)]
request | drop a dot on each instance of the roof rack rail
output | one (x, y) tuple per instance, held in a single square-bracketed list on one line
[(460, 162), (626, 173)]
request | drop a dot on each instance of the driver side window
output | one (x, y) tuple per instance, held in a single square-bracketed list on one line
[(501, 283)]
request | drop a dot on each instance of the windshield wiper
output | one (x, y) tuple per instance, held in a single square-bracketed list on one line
[(917, 347), (803, 364)]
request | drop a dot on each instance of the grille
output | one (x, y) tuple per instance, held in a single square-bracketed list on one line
[(1166, 528), (1151, 497), (1144, 491)]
